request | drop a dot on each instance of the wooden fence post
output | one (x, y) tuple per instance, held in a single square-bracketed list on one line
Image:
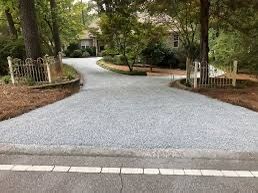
[(48, 69), (11, 68), (60, 56), (234, 73), (195, 74)]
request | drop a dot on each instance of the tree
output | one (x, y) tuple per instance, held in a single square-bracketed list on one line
[(68, 18), (11, 26), (55, 26), (180, 17), (122, 31), (9, 10), (55, 32), (30, 28), (235, 25), (204, 40)]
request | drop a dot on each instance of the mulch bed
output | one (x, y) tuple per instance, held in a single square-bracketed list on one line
[(156, 71), (16, 100), (246, 95)]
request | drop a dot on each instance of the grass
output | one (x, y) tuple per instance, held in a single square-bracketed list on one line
[(108, 66), (69, 72), (5, 79)]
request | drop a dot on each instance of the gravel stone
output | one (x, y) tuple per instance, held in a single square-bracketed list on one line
[(114, 110)]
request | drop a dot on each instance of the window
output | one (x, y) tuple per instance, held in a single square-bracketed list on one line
[(175, 40)]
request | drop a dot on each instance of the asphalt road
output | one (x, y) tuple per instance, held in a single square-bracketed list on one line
[(120, 111), (27, 182)]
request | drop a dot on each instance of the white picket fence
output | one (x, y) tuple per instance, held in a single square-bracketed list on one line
[(219, 77), (29, 70)]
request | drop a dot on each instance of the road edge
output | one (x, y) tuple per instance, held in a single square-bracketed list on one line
[(66, 150)]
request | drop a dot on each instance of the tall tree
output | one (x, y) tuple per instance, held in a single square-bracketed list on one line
[(11, 26), (55, 26), (30, 28), (204, 56), (180, 17)]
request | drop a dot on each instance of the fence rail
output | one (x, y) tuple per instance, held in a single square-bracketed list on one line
[(210, 76), (29, 70)]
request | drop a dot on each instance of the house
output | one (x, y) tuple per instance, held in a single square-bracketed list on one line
[(89, 40), (173, 35)]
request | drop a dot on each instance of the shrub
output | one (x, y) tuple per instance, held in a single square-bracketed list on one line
[(182, 66), (119, 60), (104, 53), (69, 72), (108, 59), (158, 54), (86, 54), (169, 59), (6, 79), (91, 50), (13, 48), (71, 48), (76, 54), (30, 81)]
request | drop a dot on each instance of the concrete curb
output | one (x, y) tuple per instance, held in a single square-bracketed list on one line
[(71, 83), (66, 150), (178, 84), (104, 66)]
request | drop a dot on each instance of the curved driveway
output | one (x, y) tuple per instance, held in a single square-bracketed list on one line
[(114, 110)]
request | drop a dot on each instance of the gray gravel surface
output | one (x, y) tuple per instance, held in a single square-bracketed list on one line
[(114, 110)]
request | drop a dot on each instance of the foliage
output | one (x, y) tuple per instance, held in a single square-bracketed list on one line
[(180, 17), (69, 20), (6, 79), (234, 33), (122, 31), (160, 55), (14, 48), (90, 50), (29, 81), (85, 54), (105, 65), (76, 54), (120, 60), (228, 47), (69, 72), (73, 51), (108, 58)]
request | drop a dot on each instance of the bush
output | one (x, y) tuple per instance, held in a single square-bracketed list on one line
[(104, 53), (108, 59), (6, 79), (119, 60), (30, 81), (91, 50), (182, 66), (159, 55), (76, 54), (71, 48), (13, 48), (69, 72), (86, 54)]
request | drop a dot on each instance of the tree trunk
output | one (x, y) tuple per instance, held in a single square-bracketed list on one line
[(56, 36), (204, 20), (30, 28), (83, 18), (189, 62), (12, 29)]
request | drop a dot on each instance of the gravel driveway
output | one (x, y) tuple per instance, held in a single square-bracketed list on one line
[(114, 110)]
